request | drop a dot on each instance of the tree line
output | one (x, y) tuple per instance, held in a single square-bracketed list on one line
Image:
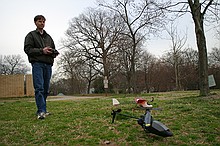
[(153, 74)]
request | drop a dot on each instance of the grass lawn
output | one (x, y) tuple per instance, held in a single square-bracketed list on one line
[(193, 120)]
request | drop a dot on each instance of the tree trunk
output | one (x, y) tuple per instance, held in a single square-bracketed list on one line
[(203, 63), (88, 87), (201, 44), (129, 87), (176, 71)]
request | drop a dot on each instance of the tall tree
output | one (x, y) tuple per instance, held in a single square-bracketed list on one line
[(200, 11), (141, 17), (95, 35)]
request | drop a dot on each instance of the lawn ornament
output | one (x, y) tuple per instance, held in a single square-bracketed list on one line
[(147, 122)]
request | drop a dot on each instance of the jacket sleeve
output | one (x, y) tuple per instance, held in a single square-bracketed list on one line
[(29, 46), (55, 52)]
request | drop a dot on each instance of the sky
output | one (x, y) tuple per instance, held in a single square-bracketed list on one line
[(17, 16)]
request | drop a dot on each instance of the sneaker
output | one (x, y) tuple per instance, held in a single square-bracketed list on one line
[(47, 113), (41, 115)]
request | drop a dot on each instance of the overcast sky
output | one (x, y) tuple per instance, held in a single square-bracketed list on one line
[(17, 20)]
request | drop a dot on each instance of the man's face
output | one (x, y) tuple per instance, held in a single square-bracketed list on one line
[(40, 23)]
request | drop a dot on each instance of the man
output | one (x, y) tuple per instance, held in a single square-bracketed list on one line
[(40, 49)]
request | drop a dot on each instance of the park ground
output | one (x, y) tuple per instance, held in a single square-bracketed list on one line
[(86, 120)]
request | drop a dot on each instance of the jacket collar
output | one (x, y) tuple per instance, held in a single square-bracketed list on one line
[(44, 32)]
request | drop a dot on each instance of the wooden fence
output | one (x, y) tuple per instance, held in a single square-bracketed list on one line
[(16, 85)]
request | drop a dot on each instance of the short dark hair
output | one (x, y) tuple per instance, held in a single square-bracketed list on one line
[(39, 17)]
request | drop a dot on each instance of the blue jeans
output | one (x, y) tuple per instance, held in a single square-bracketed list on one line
[(41, 74)]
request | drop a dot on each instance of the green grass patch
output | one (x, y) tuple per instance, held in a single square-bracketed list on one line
[(193, 120)]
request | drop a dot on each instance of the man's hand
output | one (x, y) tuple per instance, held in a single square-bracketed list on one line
[(47, 50)]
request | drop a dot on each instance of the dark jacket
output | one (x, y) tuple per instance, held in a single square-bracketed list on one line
[(34, 44)]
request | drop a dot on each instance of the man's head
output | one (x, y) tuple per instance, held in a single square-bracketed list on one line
[(39, 21)]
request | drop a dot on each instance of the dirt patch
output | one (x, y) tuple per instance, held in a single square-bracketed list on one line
[(58, 98), (50, 98)]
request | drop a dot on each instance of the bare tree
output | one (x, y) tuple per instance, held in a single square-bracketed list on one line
[(200, 11), (141, 18), (95, 35), (125, 53), (13, 64), (87, 70), (68, 65), (177, 44)]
